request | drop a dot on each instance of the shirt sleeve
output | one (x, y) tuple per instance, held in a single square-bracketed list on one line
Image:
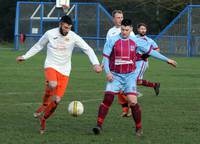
[(87, 50), (106, 54), (37, 47), (107, 35), (154, 44), (158, 55), (143, 47)]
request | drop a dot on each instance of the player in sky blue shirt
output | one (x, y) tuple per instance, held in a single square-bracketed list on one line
[(119, 60), (141, 67), (142, 61)]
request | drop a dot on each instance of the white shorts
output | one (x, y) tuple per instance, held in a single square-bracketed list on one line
[(141, 67)]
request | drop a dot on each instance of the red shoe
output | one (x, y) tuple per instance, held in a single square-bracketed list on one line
[(43, 125)]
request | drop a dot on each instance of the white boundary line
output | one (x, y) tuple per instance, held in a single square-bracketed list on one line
[(41, 92), (38, 103), (83, 101), (84, 91)]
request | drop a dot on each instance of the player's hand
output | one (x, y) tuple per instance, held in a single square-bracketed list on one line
[(97, 68), (109, 77), (102, 66), (172, 62), (20, 59)]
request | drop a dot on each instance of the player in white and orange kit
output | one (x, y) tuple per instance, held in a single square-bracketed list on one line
[(60, 43)]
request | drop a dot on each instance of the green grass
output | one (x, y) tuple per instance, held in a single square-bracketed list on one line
[(6, 45), (170, 118)]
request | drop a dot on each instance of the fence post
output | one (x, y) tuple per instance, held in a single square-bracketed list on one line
[(41, 17), (189, 33), (17, 27), (98, 26), (76, 18)]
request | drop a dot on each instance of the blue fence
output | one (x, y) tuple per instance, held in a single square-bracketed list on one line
[(182, 35), (91, 21)]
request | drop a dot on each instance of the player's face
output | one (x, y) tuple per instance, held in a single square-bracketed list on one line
[(117, 19), (125, 31), (142, 30), (65, 28)]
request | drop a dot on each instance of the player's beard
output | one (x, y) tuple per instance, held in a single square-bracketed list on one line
[(142, 34), (62, 33)]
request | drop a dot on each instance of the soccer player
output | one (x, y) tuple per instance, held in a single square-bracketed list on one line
[(142, 61), (119, 60), (60, 44), (141, 67), (115, 30)]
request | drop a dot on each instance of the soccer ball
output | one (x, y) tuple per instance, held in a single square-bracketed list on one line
[(75, 108)]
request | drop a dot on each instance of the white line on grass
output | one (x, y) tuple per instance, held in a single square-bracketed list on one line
[(37, 103), (80, 91), (85, 91), (37, 92)]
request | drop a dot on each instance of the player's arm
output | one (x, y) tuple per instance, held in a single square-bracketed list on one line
[(158, 55), (108, 35), (146, 48), (106, 55), (35, 49), (89, 52), (155, 46)]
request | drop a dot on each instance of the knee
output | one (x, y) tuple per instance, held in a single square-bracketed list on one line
[(135, 107), (52, 84), (57, 99), (108, 99), (132, 104)]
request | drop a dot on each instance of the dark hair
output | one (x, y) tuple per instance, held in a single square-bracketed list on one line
[(66, 19), (126, 22), (116, 11), (142, 24)]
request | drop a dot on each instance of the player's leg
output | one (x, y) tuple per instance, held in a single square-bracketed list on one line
[(155, 85), (147, 83), (122, 100), (46, 100), (112, 88), (131, 92), (50, 85), (139, 73), (103, 111), (59, 90), (136, 113)]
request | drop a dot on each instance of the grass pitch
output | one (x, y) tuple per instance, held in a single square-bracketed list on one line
[(173, 117)]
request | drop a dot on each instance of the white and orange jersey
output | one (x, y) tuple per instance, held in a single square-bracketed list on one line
[(115, 31), (59, 50)]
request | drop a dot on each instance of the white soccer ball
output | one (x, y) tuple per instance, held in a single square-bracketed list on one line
[(75, 108)]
